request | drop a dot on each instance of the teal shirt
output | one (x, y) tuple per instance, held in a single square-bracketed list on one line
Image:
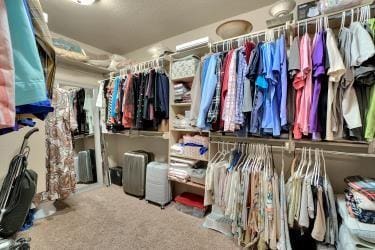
[(30, 84)]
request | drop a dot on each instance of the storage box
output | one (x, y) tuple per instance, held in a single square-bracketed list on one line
[(184, 68), (191, 204), (116, 175)]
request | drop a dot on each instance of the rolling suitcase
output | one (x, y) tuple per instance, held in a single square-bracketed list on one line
[(158, 189), (134, 172), (86, 167)]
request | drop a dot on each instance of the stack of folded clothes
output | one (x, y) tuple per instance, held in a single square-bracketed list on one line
[(181, 93), (181, 122), (360, 198), (184, 170), (357, 210)]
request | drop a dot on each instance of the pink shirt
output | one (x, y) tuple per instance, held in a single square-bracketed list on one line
[(306, 66), (7, 81)]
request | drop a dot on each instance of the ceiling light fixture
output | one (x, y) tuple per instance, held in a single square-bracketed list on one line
[(84, 2)]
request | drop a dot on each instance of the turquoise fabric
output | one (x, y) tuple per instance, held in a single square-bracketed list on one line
[(30, 83)]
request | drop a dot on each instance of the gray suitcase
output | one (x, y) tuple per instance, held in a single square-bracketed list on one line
[(134, 172), (158, 189)]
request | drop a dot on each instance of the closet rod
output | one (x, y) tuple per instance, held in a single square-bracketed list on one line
[(336, 14), (139, 66), (253, 34), (300, 149)]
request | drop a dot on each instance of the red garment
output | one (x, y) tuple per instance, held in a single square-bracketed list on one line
[(249, 46), (224, 87), (128, 103)]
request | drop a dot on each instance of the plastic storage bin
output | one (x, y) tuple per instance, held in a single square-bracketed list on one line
[(191, 204)]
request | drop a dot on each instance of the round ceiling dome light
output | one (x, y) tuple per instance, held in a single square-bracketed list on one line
[(85, 2)]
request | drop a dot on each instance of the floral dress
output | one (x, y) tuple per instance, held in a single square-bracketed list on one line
[(60, 162)]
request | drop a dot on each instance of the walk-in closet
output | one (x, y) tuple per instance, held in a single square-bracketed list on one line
[(187, 124)]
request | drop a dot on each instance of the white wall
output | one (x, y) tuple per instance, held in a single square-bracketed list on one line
[(257, 17)]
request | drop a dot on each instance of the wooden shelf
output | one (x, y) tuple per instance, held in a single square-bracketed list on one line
[(198, 51), (188, 104), (188, 130), (142, 133), (190, 183), (184, 80), (187, 157), (79, 137), (81, 65)]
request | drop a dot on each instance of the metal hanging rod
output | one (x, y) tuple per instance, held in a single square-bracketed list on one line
[(229, 42), (340, 153), (157, 62), (336, 14)]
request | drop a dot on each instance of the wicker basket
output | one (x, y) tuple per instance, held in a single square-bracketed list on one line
[(195, 151)]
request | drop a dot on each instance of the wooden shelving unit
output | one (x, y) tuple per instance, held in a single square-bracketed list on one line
[(188, 104), (190, 183), (187, 157)]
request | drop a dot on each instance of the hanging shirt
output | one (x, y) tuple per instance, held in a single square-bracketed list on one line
[(255, 77), (224, 89), (7, 95), (209, 83), (350, 106), (30, 84), (298, 84), (271, 114), (280, 70), (196, 95), (306, 66), (293, 69), (335, 72), (213, 112), (318, 73), (230, 99), (241, 75)]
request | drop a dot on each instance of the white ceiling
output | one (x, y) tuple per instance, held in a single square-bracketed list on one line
[(121, 26)]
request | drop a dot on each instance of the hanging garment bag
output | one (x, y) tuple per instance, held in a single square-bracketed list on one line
[(158, 189), (134, 172)]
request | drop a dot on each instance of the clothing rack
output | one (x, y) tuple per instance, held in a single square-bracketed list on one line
[(337, 15), (299, 149), (138, 67)]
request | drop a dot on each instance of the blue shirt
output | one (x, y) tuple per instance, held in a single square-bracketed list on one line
[(115, 97), (271, 118), (280, 71), (30, 84), (209, 82)]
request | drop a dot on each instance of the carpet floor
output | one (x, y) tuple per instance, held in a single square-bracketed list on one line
[(106, 218)]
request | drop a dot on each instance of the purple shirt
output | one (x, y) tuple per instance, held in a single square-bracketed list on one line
[(318, 73)]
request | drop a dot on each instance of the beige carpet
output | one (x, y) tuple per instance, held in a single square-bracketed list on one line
[(106, 218)]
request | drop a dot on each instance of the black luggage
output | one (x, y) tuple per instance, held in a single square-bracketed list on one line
[(116, 175)]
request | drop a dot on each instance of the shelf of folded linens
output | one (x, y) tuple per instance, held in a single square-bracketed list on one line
[(189, 183), (81, 65), (187, 157), (79, 137), (181, 104), (141, 133)]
